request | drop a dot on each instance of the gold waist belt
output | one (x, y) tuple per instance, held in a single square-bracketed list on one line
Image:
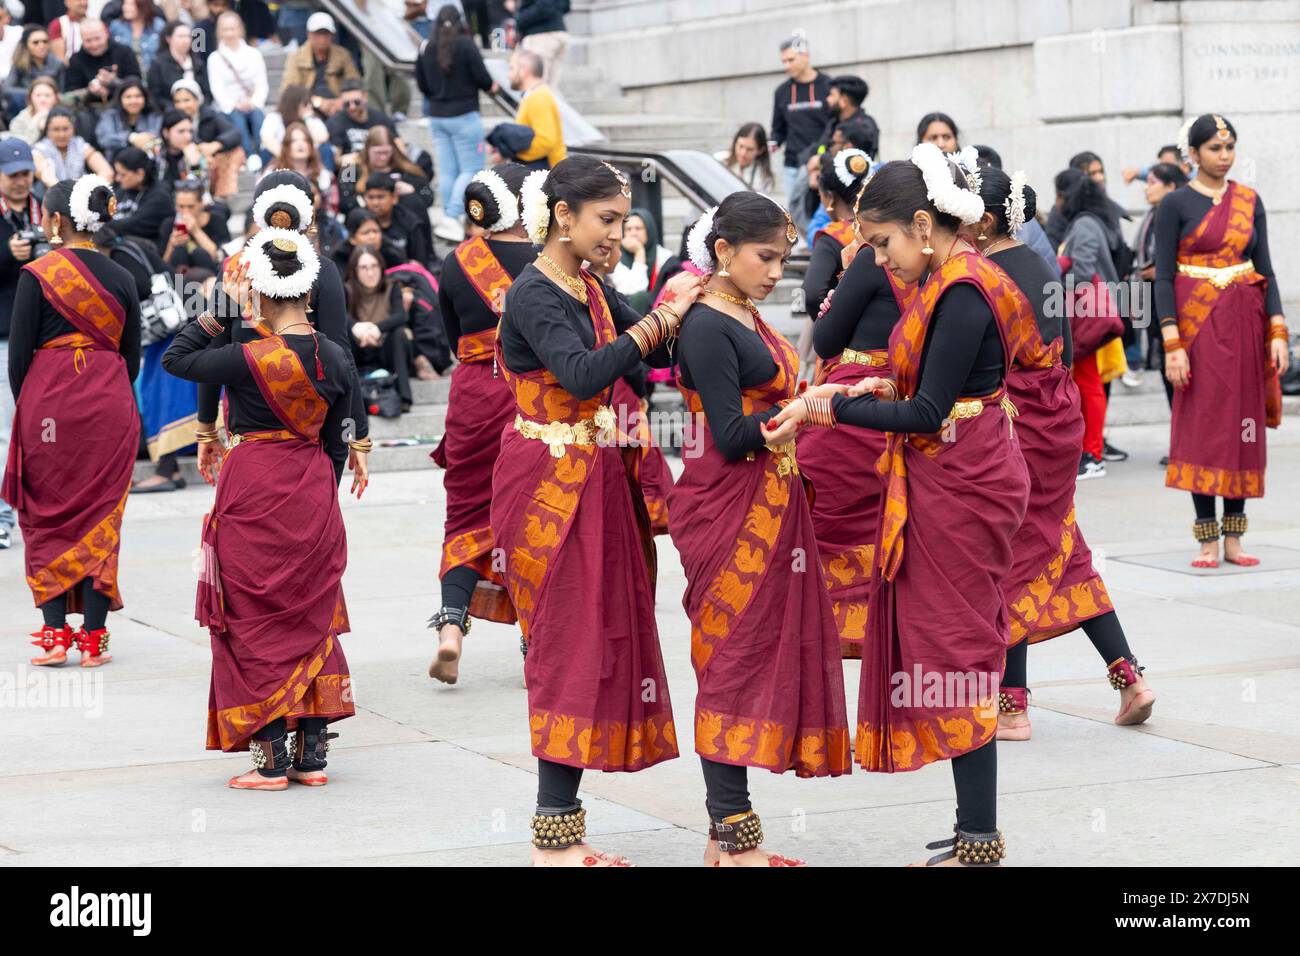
[(784, 455), (854, 357), (557, 435), (973, 407), (1219, 278)]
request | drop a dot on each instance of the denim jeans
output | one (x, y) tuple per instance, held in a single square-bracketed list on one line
[(250, 129), (7, 517), (458, 148), (292, 23), (796, 187)]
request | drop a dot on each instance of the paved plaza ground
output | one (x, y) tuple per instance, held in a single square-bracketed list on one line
[(433, 775)]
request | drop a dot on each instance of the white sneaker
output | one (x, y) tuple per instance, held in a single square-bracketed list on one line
[(1131, 378), (6, 538), (253, 164), (449, 229)]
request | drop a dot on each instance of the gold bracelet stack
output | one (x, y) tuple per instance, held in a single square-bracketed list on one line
[(1278, 330), (820, 412), (363, 446), (208, 322), (651, 332), (555, 831), (1174, 345), (205, 437)]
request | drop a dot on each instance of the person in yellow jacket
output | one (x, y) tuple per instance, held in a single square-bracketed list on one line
[(321, 65), (537, 110)]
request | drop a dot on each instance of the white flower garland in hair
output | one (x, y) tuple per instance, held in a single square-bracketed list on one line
[(967, 159), (290, 196), (261, 271), (79, 202), (1184, 137), (843, 160), (701, 256), (536, 207), (1015, 204), (507, 204), (946, 195)]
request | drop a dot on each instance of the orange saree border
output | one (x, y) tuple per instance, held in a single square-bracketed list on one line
[(484, 271), (475, 347), (1196, 310), (844, 571), (819, 750), (609, 744), (939, 738), (285, 386), (1039, 611), (1220, 482), (473, 549), (94, 556), (305, 693), (77, 295)]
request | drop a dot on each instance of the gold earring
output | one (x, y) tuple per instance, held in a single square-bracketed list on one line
[(564, 233), (723, 273), (56, 240), (926, 249), (982, 237)]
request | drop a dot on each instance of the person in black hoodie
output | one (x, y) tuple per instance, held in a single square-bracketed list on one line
[(799, 116), (406, 237), (177, 59), (143, 203)]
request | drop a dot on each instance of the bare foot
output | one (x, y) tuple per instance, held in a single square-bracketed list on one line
[(256, 781), (1013, 727), (1233, 553), (711, 853), (445, 666), (757, 857), (309, 778), (1135, 702), (580, 854), (1209, 556)]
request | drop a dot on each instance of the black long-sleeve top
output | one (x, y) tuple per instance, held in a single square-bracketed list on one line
[(823, 268), (455, 92), (545, 327), (1176, 216), (727, 357), (196, 356), (212, 127), (463, 310), (1035, 279), (962, 357), (862, 313), (330, 316), (82, 68), (142, 213), (34, 320)]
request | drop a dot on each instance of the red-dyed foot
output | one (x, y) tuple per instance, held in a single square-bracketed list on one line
[(255, 781), (55, 643), (1204, 562), (1243, 560), (309, 778)]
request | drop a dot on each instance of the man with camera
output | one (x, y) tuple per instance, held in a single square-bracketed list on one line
[(21, 240)]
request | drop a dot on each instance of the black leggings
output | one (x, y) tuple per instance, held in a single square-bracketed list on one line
[(557, 786), (726, 789), (311, 726), (458, 587), (167, 466), (1204, 505), (94, 605), (975, 775), (1105, 632)]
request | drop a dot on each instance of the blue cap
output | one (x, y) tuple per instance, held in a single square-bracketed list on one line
[(15, 157)]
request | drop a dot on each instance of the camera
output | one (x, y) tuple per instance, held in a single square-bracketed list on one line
[(36, 236)]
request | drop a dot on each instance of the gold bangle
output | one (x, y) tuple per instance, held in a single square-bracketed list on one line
[(1279, 331), (208, 322), (364, 445), (205, 438)]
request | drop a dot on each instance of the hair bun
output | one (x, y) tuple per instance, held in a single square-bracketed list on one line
[(481, 206), (1031, 202)]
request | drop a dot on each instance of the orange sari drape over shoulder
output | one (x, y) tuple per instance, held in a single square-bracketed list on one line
[(75, 436)]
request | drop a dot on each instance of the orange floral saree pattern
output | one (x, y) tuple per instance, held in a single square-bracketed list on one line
[(285, 386)]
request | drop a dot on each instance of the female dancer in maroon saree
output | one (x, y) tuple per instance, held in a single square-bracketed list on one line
[(955, 491), (274, 547), (1225, 338), (480, 407), (1052, 588), (74, 348), (851, 336), (763, 638), (579, 556)]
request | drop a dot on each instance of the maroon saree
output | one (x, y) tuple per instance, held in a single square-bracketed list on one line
[(651, 466), (1052, 587), (937, 629), (846, 509), (75, 436), (479, 408), (763, 638), (568, 515), (273, 555), (1225, 330)]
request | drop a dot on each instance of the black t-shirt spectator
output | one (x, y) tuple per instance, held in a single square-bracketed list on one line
[(82, 67), (540, 16), (348, 136), (799, 115), (455, 92)]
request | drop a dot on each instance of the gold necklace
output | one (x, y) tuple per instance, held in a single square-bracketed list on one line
[(988, 250), (291, 325), (577, 285), (1215, 195), (80, 245), (735, 299)]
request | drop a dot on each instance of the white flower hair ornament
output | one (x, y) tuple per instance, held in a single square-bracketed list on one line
[(701, 255), (967, 159), (1184, 136), (850, 164), (1015, 204), (536, 206), (261, 271), (79, 202), (946, 195), (507, 204), (286, 195)]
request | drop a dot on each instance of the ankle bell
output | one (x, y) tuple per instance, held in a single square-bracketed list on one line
[(739, 832), (451, 615), (1124, 672), (1234, 526), (980, 849), (557, 830), (309, 750), (270, 757), (1013, 700), (92, 643), (48, 637), (1206, 529)]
